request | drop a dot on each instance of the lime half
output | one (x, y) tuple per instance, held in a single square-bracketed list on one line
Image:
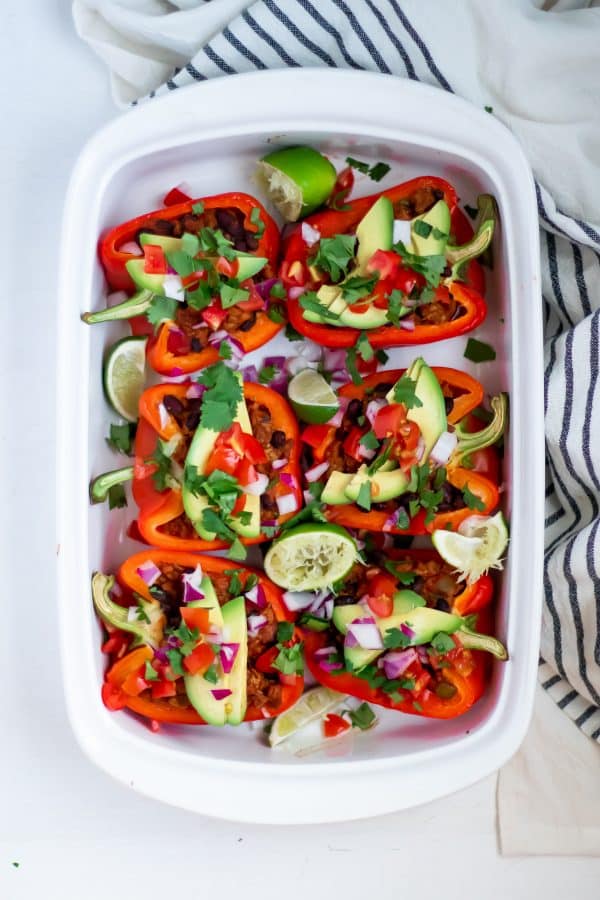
[(312, 705), (478, 545), (310, 557), (123, 376), (312, 399), (297, 180)]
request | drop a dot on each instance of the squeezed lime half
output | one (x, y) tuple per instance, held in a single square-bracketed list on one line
[(124, 376), (310, 557), (297, 180)]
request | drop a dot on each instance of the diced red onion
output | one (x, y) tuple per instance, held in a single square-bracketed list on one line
[(257, 596), (350, 641), (396, 662), (249, 374), (131, 247), (289, 480), (340, 378), (407, 631), (279, 463), (173, 641), (373, 408), (227, 655), (296, 600), (219, 337), (191, 585), (330, 666), (422, 654), (401, 231), (164, 416), (161, 656), (175, 372), (255, 623), (407, 324), (365, 452), (148, 572), (420, 448), (310, 235), (338, 418), (296, 364), (311, 351), (327, 609), (214, 636), (287, 503), (366, 633), (221, 693), (173, 287), (324, 651), (116, 297), (319, 598), (333, 360), (195, 391), (270, 523), (444, 447), (258, 487), (279, 381), (315, 473), (263, 288), (296, 291)]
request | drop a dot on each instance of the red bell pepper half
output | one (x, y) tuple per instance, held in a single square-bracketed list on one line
[(148, 679)]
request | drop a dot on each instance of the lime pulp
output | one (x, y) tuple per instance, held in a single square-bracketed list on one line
[(310, 557)]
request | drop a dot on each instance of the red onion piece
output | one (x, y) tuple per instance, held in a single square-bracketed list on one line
[(257, 596), (221, 693), (334, 360), (279, 463), (330, 666), (338, 418), (310, 235), (366, 632), (308, 497), (296, 600), (173, 287), (255, 623), (279, 381), (350, 640), (195, 391), (396, 662), (289, 480), (131, 247), (392, 521), (258, 487), (407, 324), (444, 447), (250, 374), (287, 503), (270, 523), (175, 372), (296, 291), (311, 351), (164, 416), (296, 364), (227, 655), (365, 453), (407, 631), (401, 231), (191, 585), (325, 651), (149, 573), (315, 473), (373, 408), (263, 288)]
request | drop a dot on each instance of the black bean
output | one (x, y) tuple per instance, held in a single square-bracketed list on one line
[(173, 404), (195, 345), (241, 245), (417, 585), (442, 604), (268, 502), (251, 241), (249, 323), (354, 410), (345, 600), (438, 194), (192, 420), (278, 439), (226, 219), (448, 404)]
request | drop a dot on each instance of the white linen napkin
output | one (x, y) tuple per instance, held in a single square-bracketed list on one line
[(536, 64)]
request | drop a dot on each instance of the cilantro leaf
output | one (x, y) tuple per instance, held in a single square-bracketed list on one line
[(278, 291), (312, 512), (369, 441), (235, 582), (311, 302), (161, 477), (472, 500), (423, 229), (267, 374), (150, 673), (214, 243), (276, 315), (211, 674), (291, 333), (290, 660), (198, 208), (351, 366), (183, 263), (402, 577), (358, 165), (479, 351), (381, 356), (237, 550), (358, 286), (442, 643), (334, 255), (225, 351), (364, 495), (121, 437), (161, 309), (256, 219), (362, 717), (394, 639), (285, 632), (402, 520), (116, 497), (364, 347), (378, 171), (431, 267), (396, 308), (190, 243), (220, 401), (405, 392)]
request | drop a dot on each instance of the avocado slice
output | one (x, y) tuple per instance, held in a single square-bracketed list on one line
[(374, 232), (334, 492), (431, 415), (197, 688), (384, 485), (438, 219), (197, 457), (372, 317), (168, 244), (235, 630), (142, 279)]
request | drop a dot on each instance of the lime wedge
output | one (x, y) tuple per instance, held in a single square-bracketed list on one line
[(312, 705), (477, 546), (297, 180), (123, 376), (310, 557), (312, 399)]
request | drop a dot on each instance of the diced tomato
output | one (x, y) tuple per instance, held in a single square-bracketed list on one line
[(195, 617), (352, 445), (142, 470), (342, 188), (116, 643), (253, 450), (155, 262), (239, 505), (134, 684), (223, 458), (175, 196), (246, 473), (264, 663), (252, 304), (386, 262), (487, 463), (245, 445), (388, 420), (314, 435), (199, 660), (334, 725), (178, 343), (112, 696), (227, 267), (380, 597), (214, 315), (163, 688)]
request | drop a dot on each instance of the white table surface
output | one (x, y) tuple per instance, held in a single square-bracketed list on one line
[(73, 831)]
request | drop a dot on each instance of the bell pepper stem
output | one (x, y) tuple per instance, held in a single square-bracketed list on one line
[(470, 442), (101, 485), (133, 306), (473, 640), (148, 628), (458, 256)]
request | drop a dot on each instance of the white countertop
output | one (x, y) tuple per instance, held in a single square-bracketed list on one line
[(74, 832)]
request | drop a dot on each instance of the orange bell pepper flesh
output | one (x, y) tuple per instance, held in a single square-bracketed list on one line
[(331, 222), (168, 710), (156, 507)]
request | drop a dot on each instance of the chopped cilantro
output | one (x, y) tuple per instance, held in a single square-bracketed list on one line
[(150, 673), (190, 243), (312, 512), (161, 309), (183, 263), (162, 476), (211, 674), (121, 437), (381, 357), (235, 583), (285, 632), (198, 208), (358, 286), (403, 577), (472, 500), (442, 643), (394, 639), (237, 550), (402, 520), (439, 478), (423, 229), (413, 507), (431, 267), (489, 109), (311, 302), (364, 495), (290, 660), (256, 219), (335, 255), (174, 656), (430, 500), (315, 489), (220, 401), (214, 243), (275, 314), (478, 351), (116, 497), (362, 717), (405, 392), (358, 165), (291, 333), (369, 441), (225, 351), (267, 374), (375, 172), (364, 347), (351, 366), (380, 460), (278, 291), (417, 706), (396, 308), (231, 295)]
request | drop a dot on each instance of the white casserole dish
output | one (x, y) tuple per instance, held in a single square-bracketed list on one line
[(210, 135)]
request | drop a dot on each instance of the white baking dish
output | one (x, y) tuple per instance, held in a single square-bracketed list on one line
[(210, 136)]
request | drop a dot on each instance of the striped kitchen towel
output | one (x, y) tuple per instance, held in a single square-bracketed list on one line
[(537, 64)]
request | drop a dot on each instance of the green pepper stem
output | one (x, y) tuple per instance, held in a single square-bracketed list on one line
[(101, 485), (148, 630), (470, 442), (133, 306), (473, 640), (458, 256)]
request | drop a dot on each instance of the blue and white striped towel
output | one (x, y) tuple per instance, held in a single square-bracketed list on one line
[(537, 64)]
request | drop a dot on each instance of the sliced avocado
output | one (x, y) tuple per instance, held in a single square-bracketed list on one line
[(334, 491), (344, 615), (197, 457), (168, 244), (425, 622), (197, 688), (357, 658), (327, 293), (249, 265), (431, 415), (142, 279), (374, 232), (372, 317), (235, 630), (384, 485), (438, 219), (330, 297)]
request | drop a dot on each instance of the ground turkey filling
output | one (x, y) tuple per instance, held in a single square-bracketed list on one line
[(434, 582), (340, 461), (231, 222), (275, 443), (264, 690)]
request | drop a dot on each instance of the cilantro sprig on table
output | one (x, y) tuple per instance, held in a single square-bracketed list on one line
[(375, 172), (121, 437)]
